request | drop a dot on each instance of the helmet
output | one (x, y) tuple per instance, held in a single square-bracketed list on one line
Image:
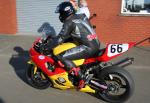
[(65, 9)]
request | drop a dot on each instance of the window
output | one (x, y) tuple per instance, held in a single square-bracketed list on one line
[(135, 7)]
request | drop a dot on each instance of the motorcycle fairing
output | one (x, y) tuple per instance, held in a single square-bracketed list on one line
[(61, 81), (33, 52), (41, 60)]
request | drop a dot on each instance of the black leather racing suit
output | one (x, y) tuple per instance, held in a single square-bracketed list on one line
[(77, 28)]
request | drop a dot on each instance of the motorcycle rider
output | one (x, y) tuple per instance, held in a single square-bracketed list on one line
[(78, 28), (81, 7)]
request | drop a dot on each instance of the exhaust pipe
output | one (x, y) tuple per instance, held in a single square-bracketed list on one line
[(125, 62)]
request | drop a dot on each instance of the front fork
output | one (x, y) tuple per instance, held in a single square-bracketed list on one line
[(30, 62)]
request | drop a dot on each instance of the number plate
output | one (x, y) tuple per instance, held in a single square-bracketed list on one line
[(115, 49)]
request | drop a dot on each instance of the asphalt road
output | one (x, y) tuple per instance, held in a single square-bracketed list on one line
[(14, 89)]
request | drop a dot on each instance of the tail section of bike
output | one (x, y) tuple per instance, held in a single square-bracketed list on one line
[(114, 50), (111, 51)]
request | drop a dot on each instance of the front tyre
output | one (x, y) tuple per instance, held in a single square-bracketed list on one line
[(119, 82), (37, 79)]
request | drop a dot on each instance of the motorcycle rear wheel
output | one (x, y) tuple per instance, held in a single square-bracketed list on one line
[(37, 80), (120, 84)]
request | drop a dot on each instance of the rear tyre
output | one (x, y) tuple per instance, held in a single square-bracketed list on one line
[(37, 80), (120, 84)]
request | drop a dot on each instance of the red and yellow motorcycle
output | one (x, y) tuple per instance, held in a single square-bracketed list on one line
[(109, 81)]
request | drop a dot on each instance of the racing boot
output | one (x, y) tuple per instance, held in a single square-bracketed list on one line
[(77, 72)]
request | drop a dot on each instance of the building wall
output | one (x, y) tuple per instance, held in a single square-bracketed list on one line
[(31, 14), (112, 27), (8, 24)]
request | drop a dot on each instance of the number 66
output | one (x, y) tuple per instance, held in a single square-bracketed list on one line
[(116, 48)]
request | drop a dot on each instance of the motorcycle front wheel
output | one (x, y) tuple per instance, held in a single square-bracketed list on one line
[(37, 79), (120, 85)]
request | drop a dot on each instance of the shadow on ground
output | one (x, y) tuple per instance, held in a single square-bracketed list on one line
[(1, 100), (19, 62)]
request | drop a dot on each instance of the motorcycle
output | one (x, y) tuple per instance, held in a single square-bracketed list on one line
[(105, 79)]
